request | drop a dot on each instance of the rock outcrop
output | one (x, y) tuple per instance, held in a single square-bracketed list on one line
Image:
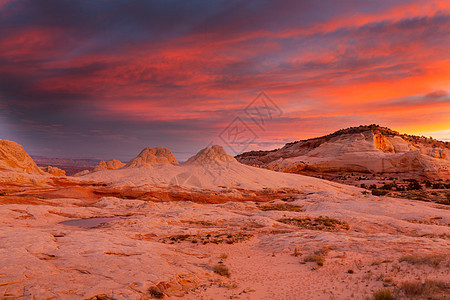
[(364, 149), (55, 171), (153, 156), (112, 164), (14, 158), (210, 155), (84, 172)]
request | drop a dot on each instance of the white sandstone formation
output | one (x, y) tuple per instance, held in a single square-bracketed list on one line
[(153, 156)]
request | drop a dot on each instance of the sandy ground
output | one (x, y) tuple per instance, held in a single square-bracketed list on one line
[(173, 247)]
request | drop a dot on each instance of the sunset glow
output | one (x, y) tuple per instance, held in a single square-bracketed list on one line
[(111, 77)]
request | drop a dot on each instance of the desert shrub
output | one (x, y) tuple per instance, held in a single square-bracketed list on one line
[(155, 292), (363, 185), (350, 271), (281, 207), (388, 280), (416, 195), (438, 185), (379, 192), (435, 286), (222, 270), (412, 288), (383, 294), (443, 201), (414, 185), (203, 223), (179, 237), (433, 260), (426, 289), (318, 223), (318, 259), (389, 186), (219, 238), (280, 231)]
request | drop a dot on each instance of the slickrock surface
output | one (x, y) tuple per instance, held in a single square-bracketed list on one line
[(173, 247)]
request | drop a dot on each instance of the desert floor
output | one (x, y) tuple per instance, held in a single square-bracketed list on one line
[(296, 245)]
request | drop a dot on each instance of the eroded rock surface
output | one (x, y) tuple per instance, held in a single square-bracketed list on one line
[(364, 149), (14, 158)]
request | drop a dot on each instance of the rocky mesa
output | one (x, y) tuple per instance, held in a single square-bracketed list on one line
[(364, 149)]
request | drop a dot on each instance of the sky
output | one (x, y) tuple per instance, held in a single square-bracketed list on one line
[(104, 79)]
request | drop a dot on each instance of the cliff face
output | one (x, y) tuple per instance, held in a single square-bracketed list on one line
[(382, 143), (365, 149)]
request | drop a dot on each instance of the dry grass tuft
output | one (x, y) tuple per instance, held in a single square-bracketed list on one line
[(319, 223), (412, 288), (428, 289), (281, 207), (318, 257), (383, 294), (315, 258), (222, 270), (201, 223), (209, 238), (433, 260)]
